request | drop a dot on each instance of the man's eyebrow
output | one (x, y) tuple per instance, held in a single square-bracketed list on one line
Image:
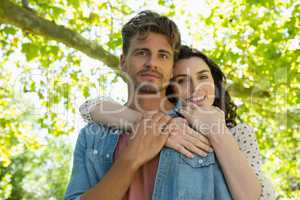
[(146, 49), (165, 51), (140, 49)]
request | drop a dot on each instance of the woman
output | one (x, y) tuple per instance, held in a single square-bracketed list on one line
[(198, 83)]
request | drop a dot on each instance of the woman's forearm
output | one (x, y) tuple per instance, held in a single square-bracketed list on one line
[(240, 177), (114, 114)]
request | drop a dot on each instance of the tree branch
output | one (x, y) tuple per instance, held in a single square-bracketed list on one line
[(27, 20), (237, 90), (13, 14)]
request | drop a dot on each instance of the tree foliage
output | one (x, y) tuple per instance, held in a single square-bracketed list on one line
[(56, 53)]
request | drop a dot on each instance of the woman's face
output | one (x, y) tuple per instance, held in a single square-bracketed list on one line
[(193, 81)]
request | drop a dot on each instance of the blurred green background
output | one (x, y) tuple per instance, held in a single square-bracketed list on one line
[(54, 54)]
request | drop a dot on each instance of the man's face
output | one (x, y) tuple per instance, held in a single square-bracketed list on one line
[(149, 62)]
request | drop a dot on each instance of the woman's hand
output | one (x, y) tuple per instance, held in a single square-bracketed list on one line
[(208, 120), (185, 140)]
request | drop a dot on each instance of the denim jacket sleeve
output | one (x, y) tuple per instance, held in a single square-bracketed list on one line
[(79, 182)]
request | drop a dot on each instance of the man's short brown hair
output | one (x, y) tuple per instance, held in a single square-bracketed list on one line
[(148, 21)]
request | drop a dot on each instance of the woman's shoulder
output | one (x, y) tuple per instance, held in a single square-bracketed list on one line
[(85, 108), (246, 138), (242, 129), (90, 102)]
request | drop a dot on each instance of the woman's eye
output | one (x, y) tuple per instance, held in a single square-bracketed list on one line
[(203, 77), (181, 81)]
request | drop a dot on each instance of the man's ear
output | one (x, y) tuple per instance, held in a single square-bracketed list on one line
[(123, 63)]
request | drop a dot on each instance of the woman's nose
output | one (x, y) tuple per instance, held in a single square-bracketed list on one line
[(191, 87), (194, 85)]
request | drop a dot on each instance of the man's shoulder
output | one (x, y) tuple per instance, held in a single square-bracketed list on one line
[(94, 128), (94, 131)]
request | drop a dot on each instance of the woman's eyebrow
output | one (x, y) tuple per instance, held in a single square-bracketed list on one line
[(185, 75), (180, 75), (203, 71)]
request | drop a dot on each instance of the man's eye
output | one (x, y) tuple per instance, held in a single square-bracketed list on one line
[(141, 53), (164, 56)]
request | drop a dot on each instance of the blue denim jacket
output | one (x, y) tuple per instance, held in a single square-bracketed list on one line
[(177, 178)]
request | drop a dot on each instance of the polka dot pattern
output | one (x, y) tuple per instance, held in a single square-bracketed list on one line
[(246, 139), (85, 108)]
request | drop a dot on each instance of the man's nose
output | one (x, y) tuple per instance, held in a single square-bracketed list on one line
[(152, 63)]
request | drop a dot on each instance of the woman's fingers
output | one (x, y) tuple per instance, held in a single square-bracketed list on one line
[(188, 111), (197, 135), (198, 143), (179, 148), (186, 140), (198, 139), (188, 145), (194, 149), (183, 111)]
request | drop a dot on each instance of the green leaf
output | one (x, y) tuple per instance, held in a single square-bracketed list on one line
[(86, 92), (74, 3), (9, 30), (30, 50)]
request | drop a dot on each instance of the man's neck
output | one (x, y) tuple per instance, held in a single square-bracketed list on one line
[(150, 102)]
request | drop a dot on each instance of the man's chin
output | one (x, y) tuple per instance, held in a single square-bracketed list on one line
[(148, 89)]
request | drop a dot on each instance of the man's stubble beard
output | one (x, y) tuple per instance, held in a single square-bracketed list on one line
[(149, 88)]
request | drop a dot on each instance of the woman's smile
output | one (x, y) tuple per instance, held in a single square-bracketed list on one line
[(197, 100)]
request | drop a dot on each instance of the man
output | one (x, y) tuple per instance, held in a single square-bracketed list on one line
[(109, 166)]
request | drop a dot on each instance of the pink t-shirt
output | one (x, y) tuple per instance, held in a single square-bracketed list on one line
[(143, 183)]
